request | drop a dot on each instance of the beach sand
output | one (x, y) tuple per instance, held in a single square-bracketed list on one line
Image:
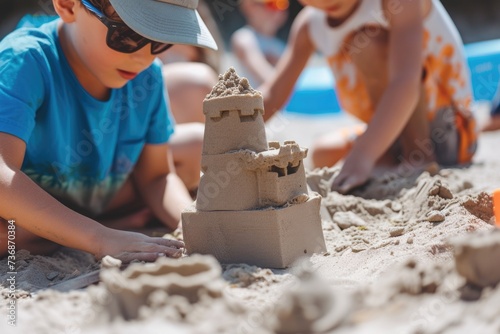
[(389, 268)]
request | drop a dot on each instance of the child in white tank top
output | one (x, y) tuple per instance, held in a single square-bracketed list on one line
[(399, 67)]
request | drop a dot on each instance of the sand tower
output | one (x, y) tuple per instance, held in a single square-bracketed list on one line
[(253, 205)]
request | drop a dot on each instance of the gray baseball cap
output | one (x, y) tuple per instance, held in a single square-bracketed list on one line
[(166, 21)]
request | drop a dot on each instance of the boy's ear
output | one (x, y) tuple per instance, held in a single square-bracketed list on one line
[(65, 9)]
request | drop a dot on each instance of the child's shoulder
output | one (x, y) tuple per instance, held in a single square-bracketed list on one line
[(310, 13), (30, 40), (309, 16)]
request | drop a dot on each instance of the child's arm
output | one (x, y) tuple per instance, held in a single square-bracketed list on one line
[(299, 48), (398, 100), (248, 52), (35, 210), (159, 186)]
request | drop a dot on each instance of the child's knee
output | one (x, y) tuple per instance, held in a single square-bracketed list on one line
[(187, 85), (193, 74), (187, 146), (188, 136)]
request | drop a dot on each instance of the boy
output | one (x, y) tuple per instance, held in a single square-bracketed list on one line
[(84, 125), (399, 67)]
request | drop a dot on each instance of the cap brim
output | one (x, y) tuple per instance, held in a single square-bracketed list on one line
[(164, 22)]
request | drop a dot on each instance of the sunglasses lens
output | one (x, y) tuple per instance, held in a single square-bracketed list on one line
[(157, 47), (123, 39)]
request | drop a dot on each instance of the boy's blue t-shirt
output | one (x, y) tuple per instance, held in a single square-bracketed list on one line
[(79, 149)]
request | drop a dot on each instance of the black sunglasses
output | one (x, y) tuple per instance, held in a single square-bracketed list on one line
[(123, 39)]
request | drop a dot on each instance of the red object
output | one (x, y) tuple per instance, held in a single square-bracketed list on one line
[(278, 5)]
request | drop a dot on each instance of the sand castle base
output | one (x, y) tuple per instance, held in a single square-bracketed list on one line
[(265, 238)]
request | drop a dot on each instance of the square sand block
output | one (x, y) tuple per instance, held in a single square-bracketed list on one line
[(265, 238)]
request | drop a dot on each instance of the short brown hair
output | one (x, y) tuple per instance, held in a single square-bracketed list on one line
[(105, 7), (100, 4)]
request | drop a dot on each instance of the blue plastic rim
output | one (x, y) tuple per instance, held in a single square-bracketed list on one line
[(484, 64), (314, 93)]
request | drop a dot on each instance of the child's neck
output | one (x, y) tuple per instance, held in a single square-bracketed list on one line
[(335, 22), (89, 82)]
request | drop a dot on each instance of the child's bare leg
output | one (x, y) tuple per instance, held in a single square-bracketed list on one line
[(126, 211), (186, 145), (187, 85), (417, 149)]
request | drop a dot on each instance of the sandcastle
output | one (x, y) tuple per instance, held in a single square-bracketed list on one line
[(253, 205)]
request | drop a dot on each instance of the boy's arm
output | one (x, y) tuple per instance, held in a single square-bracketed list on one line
[(36, 211), (398, 101), (246, 48), (299, 48), (159, 186)]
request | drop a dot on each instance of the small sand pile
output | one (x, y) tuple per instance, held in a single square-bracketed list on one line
[(311, 307), (231, 84), (477, 258)]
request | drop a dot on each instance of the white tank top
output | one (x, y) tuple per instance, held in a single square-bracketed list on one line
[(447, 75)]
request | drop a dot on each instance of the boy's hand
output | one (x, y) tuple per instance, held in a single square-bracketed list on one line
[(355, 172), (129, 246)]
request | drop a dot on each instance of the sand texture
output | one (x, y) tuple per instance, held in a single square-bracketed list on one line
[(404, 255)]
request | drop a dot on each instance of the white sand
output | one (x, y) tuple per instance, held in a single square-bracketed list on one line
[(389, 269)]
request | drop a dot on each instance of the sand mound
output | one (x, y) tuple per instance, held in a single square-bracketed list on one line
[(37, 272), (231, 84)]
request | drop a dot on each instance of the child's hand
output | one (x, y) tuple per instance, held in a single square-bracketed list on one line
[(355, 172), (129, 246)]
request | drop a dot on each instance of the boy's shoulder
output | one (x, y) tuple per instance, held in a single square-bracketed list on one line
[(31, 40)]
